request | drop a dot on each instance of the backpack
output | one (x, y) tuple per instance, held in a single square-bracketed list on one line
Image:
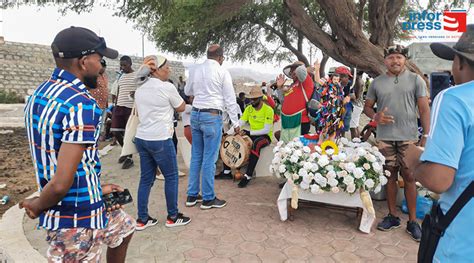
[(312, 104)]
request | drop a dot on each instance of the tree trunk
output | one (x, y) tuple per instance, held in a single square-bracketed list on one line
[(382, 20), (350, 46)]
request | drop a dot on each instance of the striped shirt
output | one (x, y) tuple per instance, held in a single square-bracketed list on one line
[(126, 85), (62, 110)]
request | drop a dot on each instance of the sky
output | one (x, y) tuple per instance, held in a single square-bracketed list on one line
[(32, 24)]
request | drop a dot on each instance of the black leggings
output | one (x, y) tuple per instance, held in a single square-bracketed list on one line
[(305, 128), (259, 142)]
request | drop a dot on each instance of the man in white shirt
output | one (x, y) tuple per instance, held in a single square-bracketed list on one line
[(126, 86), (211, 86)]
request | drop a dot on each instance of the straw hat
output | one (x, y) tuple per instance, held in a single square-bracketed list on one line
[(255, 92)]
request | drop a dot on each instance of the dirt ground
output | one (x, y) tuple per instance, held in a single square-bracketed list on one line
[(16, 168)]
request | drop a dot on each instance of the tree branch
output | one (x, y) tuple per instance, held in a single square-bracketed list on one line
[(322, 65), (286, 42), (300, 41), (360, 15), (303, 22), (350, 44), (382, 19)]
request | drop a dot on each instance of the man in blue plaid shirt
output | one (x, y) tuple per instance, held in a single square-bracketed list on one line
[(63, 124)]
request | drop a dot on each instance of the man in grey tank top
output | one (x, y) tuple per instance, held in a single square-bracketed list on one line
[(400, 96)]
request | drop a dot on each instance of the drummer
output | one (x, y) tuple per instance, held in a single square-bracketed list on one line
[(259, 116)]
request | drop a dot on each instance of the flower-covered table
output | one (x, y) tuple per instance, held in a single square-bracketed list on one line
[(340, 199), (342, 175)]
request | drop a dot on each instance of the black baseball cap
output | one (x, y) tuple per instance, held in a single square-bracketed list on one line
[(464, 47), (75, 42)]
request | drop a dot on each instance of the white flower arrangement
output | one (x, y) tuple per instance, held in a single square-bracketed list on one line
[(353, 165)]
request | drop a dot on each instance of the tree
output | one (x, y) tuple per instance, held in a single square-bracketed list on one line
[(350, 42), (352, 32), (252, 31)]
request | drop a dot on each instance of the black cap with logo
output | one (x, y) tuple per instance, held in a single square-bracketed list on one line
[(76, 42), (464, 47)]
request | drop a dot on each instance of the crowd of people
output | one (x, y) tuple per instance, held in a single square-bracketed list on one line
[(64, 120)]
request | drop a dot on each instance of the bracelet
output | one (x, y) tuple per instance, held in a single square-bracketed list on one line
[(425, 135)]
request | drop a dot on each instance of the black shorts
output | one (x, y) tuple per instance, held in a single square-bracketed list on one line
[(120, 117)]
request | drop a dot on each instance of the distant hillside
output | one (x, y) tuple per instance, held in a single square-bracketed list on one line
[(240, 74), (250, 75)]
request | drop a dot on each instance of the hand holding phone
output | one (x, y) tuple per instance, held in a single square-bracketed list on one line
[(113, 199)]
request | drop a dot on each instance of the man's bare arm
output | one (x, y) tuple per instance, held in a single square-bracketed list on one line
[(369, 108), (69, 157), (436, 177), (424, 110)]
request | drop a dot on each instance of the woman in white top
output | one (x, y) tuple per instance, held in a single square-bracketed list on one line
[(156, 99)]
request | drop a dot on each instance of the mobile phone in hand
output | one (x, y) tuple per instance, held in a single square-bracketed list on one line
[(117, 198)]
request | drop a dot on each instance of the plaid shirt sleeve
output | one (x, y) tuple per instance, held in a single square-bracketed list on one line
[(80, 124)]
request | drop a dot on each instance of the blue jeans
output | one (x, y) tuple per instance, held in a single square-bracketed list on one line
[(155, 154), (347, 117), (206, 129)]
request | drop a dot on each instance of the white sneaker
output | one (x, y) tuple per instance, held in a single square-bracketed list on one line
[(143, 225), (181, 174)]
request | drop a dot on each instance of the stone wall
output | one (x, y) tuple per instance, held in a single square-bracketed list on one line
[(24, 66)]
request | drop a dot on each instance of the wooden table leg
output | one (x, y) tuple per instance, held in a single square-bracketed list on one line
[(290, 211)]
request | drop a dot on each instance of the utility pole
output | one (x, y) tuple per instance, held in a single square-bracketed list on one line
[(143, 45)]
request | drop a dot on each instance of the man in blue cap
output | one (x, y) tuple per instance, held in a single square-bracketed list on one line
[(62, 121), (447, 167)]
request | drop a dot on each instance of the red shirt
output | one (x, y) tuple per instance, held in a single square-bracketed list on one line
[(272, 104), (294, 99)]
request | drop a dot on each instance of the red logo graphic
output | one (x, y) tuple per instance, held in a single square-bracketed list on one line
[(454, 21)]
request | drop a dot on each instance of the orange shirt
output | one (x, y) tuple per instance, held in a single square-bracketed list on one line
[(294, 99)]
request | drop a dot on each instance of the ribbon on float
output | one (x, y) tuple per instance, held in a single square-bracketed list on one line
[(367, 201), (294, 196)]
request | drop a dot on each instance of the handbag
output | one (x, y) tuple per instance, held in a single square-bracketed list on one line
[(129, 146), (435, 223), (312, 104)]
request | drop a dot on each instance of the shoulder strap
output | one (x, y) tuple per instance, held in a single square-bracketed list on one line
[(304, 92), (465, 196)]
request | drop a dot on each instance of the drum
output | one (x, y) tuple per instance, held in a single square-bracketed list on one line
[(235, 150)]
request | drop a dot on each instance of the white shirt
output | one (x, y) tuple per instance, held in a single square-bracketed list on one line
[(211, 86), (186, 115), (155, 101)]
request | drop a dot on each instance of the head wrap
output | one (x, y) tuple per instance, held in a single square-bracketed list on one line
[(150, 65)]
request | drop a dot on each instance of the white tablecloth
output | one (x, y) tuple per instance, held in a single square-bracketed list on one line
[(341, 199)]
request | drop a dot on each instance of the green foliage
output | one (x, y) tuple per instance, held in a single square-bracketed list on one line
[(249, 32), (10, 97)]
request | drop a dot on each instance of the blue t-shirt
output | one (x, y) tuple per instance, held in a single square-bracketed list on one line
[(451, 143)]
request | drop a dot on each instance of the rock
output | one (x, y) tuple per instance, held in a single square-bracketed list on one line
[(22, 190)]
